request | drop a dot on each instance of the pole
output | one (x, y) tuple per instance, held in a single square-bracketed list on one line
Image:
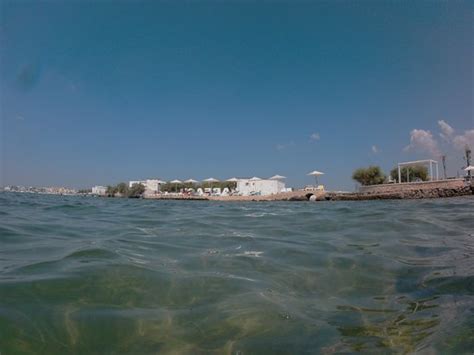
[(437, 171), (399, 175), (444, 166), (431, 170), (468, 159)]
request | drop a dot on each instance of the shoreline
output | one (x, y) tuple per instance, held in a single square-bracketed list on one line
[(420, 190), (455, 188)]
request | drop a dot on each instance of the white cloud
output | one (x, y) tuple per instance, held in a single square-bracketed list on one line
[(423, 141), (315, 136), (19, 117), (284, 146), (460, 141), (375, 150), (446, 131)]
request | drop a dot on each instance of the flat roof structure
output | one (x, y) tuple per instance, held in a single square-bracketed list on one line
[(429, 162)]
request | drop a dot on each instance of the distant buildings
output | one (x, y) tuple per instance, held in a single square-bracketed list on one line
[(99, 190), (41, 190)]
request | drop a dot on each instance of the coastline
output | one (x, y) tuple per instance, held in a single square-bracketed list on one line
[(441, 189), (418, 190)]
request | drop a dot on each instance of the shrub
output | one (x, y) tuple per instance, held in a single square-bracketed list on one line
[(136, 190), (372, 175)]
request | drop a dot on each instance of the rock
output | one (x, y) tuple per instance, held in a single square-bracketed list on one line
[(402, 194)]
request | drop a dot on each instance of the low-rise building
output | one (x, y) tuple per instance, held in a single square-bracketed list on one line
[(99, 190), (151, 185), (256, 186)]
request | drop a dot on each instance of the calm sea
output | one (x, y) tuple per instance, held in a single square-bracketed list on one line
[(90, 275)]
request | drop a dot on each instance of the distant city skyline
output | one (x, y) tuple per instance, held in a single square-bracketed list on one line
[(94, 93)]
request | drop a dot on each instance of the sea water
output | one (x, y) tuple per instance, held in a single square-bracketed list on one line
[(101, 275)]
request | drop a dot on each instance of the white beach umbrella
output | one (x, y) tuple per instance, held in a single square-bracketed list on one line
[(316, 173), (278, 177), (191, 181), (176, 181), (210, 181), (469, 168)]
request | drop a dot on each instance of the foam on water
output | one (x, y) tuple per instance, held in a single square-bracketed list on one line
[(88, 275)]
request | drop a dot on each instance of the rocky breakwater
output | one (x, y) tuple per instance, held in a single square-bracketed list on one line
[(403, 193)]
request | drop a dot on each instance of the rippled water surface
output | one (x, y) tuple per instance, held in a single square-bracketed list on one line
[(90, 275)]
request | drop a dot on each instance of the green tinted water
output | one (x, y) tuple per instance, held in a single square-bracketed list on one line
[(90, 275)]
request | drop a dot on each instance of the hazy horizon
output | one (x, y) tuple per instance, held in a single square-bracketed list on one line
[(94, 93)]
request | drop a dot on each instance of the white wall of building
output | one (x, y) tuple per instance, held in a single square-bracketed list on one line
[(99, 190), (151, 185), (263, 187)]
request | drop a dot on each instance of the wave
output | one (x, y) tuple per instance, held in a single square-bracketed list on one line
[(146, 276)]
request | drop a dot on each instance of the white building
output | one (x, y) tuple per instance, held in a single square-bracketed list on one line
[(99, 190), (151, 185), (255, 186)]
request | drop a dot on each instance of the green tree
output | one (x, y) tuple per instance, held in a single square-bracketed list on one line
[(136, 190), (372, 175), (111, 191), (229, 184), (416, 172), (122, 188)]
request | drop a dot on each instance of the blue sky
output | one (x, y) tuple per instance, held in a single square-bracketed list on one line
[(102, 92)]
